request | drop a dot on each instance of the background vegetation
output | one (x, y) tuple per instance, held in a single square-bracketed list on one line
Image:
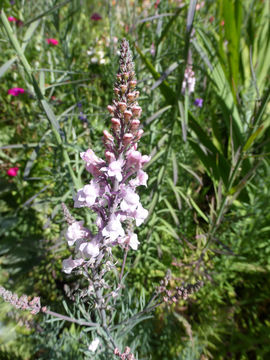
[(209, 177)]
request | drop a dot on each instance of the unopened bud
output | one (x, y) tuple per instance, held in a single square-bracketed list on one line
[(132, 84), (126, 75), (119, 76), (131, 96), (109, 156), (115, 123), (116, 351), (127, 138), (123, 88), (139, 134), (116, 90), (137, 94), (134, 124), (122, 106), (107, 135), (127, 115), (111, 109), (136, 110)]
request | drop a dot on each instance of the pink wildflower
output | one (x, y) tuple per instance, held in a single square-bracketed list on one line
[(12, 171), (75, 232), (16, 91), (52, 41), (12, 19), (70, 264)]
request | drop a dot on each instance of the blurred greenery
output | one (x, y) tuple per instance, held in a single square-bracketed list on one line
[(209, 177)]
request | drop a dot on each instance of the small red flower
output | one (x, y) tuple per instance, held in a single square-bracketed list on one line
[(12, 171), (53, 42), (96, 17)]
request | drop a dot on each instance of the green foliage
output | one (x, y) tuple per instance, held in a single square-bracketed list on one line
[(208, 186)]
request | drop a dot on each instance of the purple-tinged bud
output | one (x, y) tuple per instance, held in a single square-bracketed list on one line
[(131, 96), (137, 94), (139, 134), (109, 156), (134, 124), (127, 115), (116, 351), (127, 138), (132, 84), (115, 123), (119, 76), (126, 75), (111, 109), (122, 106), (136, 110), (123, 88), (107, 136), (116, 91)]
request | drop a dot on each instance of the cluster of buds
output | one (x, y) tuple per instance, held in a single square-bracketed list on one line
[(111, 194), (189, 80), (127, 355), (180, 293), (23, 303)]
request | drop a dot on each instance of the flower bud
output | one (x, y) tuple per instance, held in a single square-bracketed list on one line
[(131, 96), (134, 124), (123, 88), (127, 350), (119, 76), (127, 138), (126, 75), (137, 94), (132, 84), (107, 136), (136, 110), (122, 106), (139, 134), (111, 109), (116, 351), (127, 115), (109, 156), (115, 124), (116, 91)]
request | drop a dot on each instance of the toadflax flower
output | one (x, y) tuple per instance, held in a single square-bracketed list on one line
[(198, 102), (111, 193)]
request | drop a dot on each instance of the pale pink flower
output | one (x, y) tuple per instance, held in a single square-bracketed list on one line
[(52, 41), (115, 169), (136, 160), (75, 232), (70, 264), (16, 91), (12, 171), (113, 229), (130, 199), (87, 195), (140, 214), (93, 163), (141, 179), (89, 249)]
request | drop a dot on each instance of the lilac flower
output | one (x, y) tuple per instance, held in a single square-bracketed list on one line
[(198, 102), (111, 194)]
